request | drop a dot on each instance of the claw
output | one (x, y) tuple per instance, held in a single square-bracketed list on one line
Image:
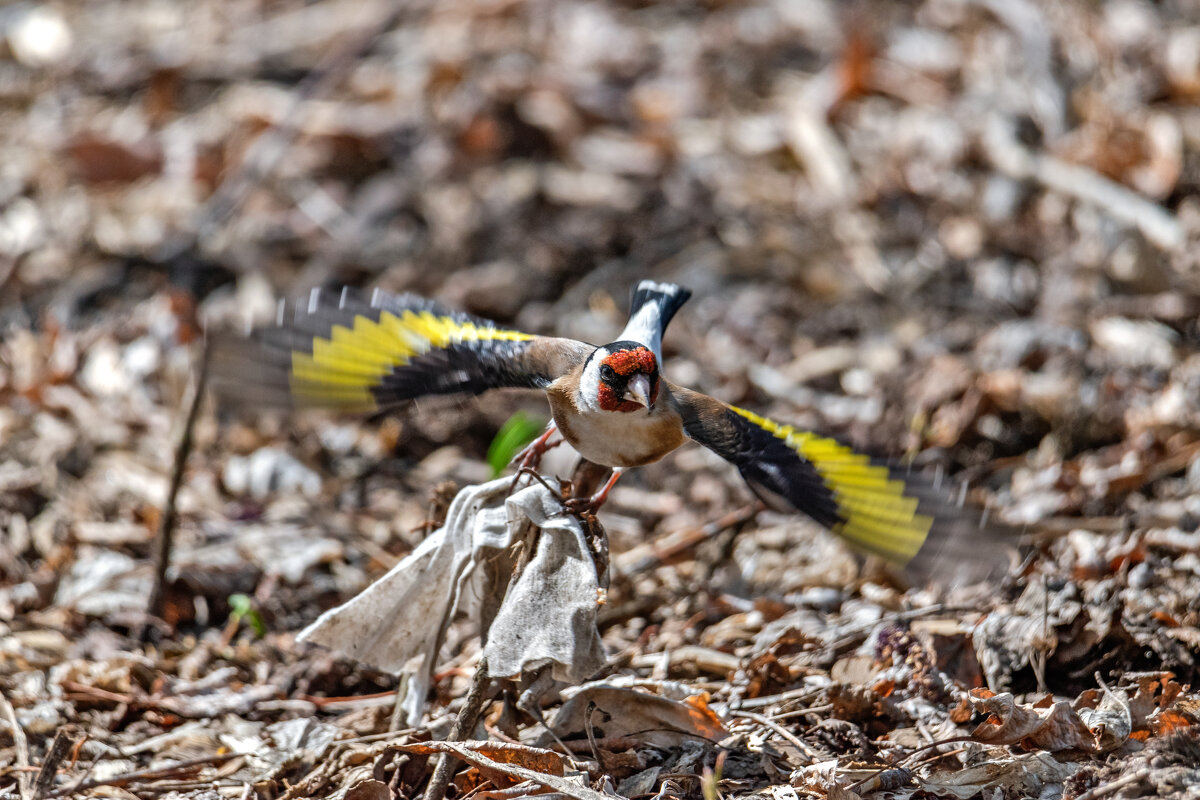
[(530, 457), (578, 505)]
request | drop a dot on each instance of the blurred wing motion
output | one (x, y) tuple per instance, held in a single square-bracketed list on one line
[(903, 517), (345, 351)]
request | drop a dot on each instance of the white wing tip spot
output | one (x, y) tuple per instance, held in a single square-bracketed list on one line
[(654, 286)]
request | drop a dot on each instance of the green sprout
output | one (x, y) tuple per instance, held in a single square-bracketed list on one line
[(242, 608), (710, 780), (519, 430)]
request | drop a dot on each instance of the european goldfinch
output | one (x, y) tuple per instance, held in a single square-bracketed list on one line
[(611, 403)]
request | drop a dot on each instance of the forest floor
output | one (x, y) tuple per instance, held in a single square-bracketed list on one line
[(962, 233)]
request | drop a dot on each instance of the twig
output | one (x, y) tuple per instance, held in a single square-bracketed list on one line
[(166, 529), (21, 743), (467, 752), (591, 736), (156, 773), (937, 756), (342, 703), (1115, 786), (853, 634), (472, 706), (178, 787), (779, 729), (397, 719), (57, 752), (783, 697), (375, 737), (532, 473), (677, 543), (530, 701), (802, 712), (873, 781)]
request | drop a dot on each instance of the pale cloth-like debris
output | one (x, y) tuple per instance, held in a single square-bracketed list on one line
[(547, 616)]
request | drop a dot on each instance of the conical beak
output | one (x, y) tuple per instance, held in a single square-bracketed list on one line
[(638, 389)]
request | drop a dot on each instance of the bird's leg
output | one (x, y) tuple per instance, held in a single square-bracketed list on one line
[(530, 457), (579, 504)]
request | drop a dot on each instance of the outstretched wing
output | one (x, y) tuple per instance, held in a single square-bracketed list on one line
[(905, 517), (351, 351)]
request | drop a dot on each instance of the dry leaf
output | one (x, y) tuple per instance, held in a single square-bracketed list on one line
[(477, 755), (1056, 728), (630, 713)]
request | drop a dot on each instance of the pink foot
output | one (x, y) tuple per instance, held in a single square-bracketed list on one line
[(578, 505), (530, 457)]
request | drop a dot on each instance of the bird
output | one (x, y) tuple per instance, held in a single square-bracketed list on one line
[(360, 351)]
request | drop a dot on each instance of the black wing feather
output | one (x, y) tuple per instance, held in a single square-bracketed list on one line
[(352, 351), (908, 518)]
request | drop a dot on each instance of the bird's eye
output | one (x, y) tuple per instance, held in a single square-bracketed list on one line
[(607, 373)]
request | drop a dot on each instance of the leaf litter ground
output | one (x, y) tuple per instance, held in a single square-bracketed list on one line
[(961, 231)]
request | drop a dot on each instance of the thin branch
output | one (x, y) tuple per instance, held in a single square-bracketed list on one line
[(21, 744), (465, 723), (1116, 786), (1160, 227), (137, 776), (675, 543), (166, 530), (58, 751), (766, 722)]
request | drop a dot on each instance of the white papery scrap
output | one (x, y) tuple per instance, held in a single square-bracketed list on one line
[(547, 616)]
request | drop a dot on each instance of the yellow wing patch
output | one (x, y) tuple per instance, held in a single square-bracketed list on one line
[(876, 514), (343, 369)]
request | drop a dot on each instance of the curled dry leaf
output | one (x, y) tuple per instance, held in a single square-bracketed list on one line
[(630, 713), (1099, 722), (369, 789), (1055, 728)]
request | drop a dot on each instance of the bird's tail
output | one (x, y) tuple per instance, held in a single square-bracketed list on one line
[(651, 309), (666, 297)]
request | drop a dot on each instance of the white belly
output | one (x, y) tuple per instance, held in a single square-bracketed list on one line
[(619, 439)]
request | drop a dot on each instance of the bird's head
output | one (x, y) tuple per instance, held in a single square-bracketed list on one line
[(622, 376)]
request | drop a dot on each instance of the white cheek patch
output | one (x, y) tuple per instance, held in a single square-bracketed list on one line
[(589, 384)]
